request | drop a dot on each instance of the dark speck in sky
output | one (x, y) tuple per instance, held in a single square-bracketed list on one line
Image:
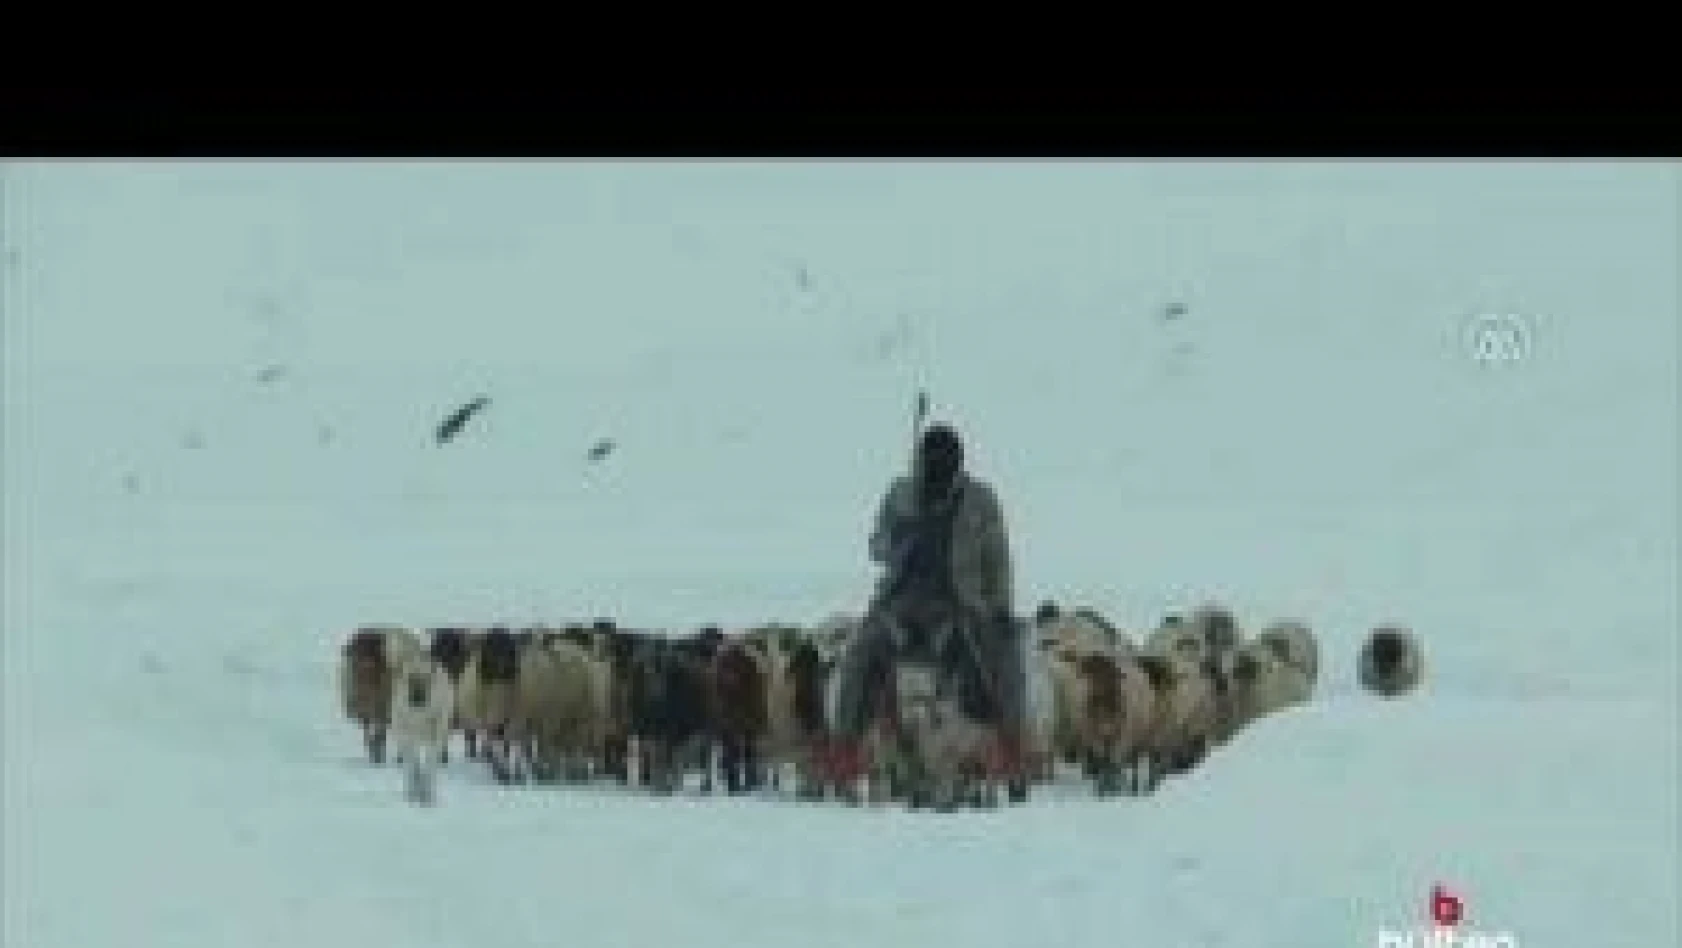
[(453, 424)]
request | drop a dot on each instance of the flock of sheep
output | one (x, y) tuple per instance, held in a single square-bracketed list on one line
[(750, 708)]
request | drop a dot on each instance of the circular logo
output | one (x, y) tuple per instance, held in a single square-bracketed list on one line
[(1498, 338)]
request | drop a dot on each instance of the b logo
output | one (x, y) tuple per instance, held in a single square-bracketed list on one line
[(1446, 910)]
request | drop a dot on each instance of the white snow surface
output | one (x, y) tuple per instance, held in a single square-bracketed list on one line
[(186, 544)]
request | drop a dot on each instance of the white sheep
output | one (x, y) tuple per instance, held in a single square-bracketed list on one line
[(422, 706)]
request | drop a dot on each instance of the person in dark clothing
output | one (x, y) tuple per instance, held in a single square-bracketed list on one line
[(940, 534)]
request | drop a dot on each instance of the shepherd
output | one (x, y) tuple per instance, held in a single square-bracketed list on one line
[(940, 534)]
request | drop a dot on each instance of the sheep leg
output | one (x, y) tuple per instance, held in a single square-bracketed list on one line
[(503, 754), (615, 758), (729, 765), (579, 760), (420, 780), (659, 770), (916, 780), (540, 764), (759, 773), (500, 755), (706, 752), (654, 757), (557, 761), (809, 786), (947, 792), (373, 734), (1131, 773), (740, 780), (1149, 772), (984, 790), (742, 766), (1107, 776), (449, 734), (648, 764), (642, 751)]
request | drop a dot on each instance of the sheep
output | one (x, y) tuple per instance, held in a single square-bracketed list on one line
[(1113, 708), (1042, 706), (795, 678), (925, 746), (1083, 629), (1064, 643), (1294, 647), (1392, 662), (1187, 714), (832, 635), (422, 707), (1220, 633), (557, 722), (669, 709), (1179, 637), (1274, 671), (486, 699), (607, 686), (1210, 640), (470, 696), (740, 712), (610, 649), (619, 654), (955, 747), (806, 730), (367, 663), (451, 649)]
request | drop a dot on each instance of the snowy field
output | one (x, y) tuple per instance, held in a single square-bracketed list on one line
[(1254, 383)]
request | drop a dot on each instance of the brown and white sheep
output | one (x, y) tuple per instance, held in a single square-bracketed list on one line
[(1187, 713), (367, 665), (451, 648), (485, 696), (1112, 716)]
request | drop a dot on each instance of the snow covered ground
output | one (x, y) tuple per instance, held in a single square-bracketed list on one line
[(220, 387)]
